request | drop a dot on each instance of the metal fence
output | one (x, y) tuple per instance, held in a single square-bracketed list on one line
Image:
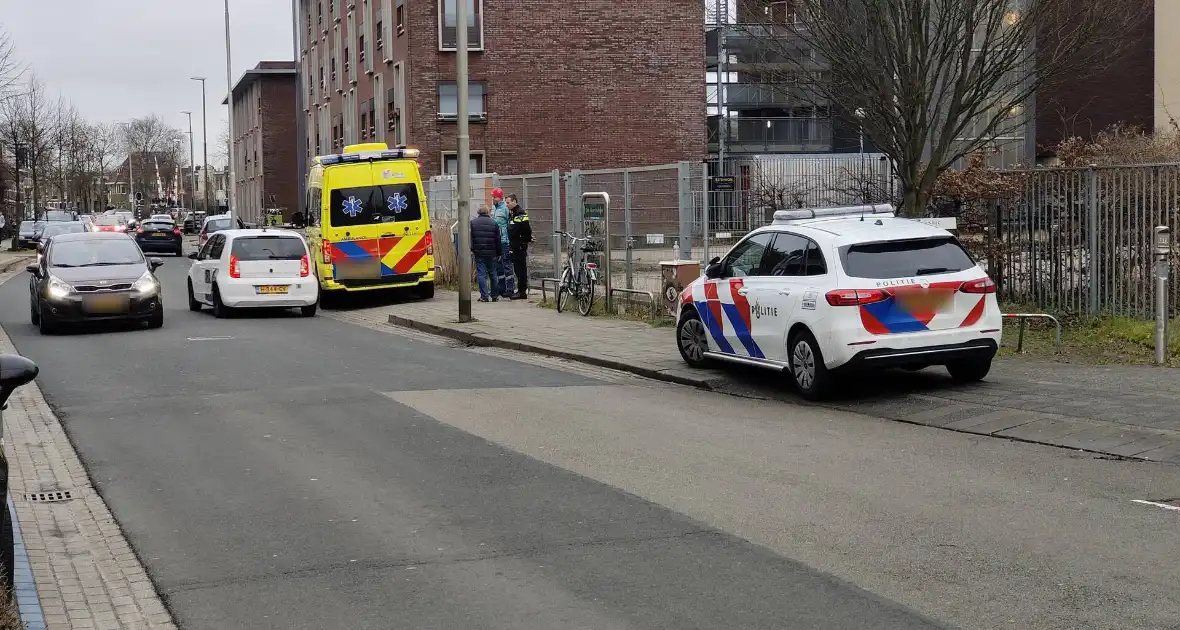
[(1080, 239)]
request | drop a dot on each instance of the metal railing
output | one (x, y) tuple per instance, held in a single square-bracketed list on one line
[(765, 134), (1023, 319)]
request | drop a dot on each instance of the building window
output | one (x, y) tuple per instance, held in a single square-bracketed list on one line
[(364, 125), (346, 58), (372, 109), (448, 26), (319, 14), (379, 43), (448, 100), (332, 66), (450, 163), (401, 19), (360, 46)]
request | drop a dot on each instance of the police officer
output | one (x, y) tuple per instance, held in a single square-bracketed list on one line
[(520, 234)]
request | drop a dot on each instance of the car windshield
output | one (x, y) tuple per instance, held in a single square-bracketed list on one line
[(157, 225), (906, 258), (268, 248), (63, 228), (217, 225), (27, 226), (367, 205), (108, 220), (95, 253), (59, 215)]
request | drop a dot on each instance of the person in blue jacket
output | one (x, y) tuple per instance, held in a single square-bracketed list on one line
[(504, 271)]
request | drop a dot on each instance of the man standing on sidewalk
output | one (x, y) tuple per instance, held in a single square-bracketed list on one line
[(502, 215), (520, 234), (487, 250)]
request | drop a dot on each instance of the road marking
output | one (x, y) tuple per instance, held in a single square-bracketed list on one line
[(209, 338), (1166, 506)]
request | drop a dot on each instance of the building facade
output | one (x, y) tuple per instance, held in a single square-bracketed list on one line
[(591, 84), (264, 140)]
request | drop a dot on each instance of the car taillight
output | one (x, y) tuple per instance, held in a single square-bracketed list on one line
[(139, 231), (982, 285), (327, 247), (430, 243), (855, 297), (304, 267), (176, 231), (234, 272), (592, 265)]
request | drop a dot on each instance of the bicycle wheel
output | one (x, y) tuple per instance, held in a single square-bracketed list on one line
[(563, 288), (586, 297)]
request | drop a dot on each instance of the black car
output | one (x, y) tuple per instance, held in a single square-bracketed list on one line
[(160, 235), (28, 234), (56, 228), (94, 276)]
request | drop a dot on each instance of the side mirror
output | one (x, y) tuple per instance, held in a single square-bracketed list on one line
[(34, 269), (193, 255), (155, 263), (14, 371), (713, 270)]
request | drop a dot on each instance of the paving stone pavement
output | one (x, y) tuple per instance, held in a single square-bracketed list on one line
[(1126, 411), (85, 573)]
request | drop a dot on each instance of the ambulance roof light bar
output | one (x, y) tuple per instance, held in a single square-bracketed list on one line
[(368, 152), (785, 217)]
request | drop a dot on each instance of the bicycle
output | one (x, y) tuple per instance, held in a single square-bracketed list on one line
[(578, 285)]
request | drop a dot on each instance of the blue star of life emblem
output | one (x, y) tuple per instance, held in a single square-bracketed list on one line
[(398, 203), (353, 207)]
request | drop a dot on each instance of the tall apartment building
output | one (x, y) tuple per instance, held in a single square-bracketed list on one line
[(588, 84), (264, 140)]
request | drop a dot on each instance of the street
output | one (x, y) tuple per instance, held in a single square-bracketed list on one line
[(272, 471)]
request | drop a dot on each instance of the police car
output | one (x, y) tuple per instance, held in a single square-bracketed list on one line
[(253, 268), (827, 291)]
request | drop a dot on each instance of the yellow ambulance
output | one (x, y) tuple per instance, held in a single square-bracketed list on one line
[(368, 224)]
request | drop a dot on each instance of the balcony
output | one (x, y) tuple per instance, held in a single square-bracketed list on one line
[(772, 135), (748, 43), (757, 96)]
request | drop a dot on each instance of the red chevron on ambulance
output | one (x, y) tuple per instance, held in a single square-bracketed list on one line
[(823, 292)]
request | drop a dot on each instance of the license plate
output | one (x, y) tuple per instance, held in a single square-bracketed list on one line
[(159, 234), (936, 301), (272, 289), (106, 304), (368, 270)]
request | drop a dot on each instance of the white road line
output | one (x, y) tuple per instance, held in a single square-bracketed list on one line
[(1166, 506), (209, 338)]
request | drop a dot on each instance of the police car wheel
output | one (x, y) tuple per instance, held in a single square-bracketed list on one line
[(691, 340), (969, 370), (807, 367)]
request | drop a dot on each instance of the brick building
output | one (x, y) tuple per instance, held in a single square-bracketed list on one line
[(264, 140), (588, 84)]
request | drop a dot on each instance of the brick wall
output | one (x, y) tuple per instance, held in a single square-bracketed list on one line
[(279, 143)]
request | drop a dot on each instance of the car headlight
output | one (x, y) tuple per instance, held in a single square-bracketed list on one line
[(146, 284), (58, 288)]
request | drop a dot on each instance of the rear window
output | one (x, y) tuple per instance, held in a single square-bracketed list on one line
[(26, 226), (217, 225), (368, 205), (900, 259), (52, 230), (148, 226), (108, 220), (268, 248), (59, 215)]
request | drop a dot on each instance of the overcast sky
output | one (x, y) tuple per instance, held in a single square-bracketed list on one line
[(120, 59)]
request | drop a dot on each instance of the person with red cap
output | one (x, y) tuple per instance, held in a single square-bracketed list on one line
[(504, 271)]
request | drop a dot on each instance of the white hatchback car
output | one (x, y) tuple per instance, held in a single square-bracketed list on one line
[(263, 268), (819, 292)]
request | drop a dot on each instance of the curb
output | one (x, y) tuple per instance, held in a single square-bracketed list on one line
[(488, 342), (18, 261)]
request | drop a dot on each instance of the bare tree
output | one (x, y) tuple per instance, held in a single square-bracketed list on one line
[(29, 121), (931, 81), (12, 70), (146, 140)]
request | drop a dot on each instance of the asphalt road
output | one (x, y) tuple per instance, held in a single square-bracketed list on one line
[(311, 473)]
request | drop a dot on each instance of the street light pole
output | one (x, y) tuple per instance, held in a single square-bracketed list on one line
[(204, 144), (300, 117), (192, 163), (229, 80), (463, 160)]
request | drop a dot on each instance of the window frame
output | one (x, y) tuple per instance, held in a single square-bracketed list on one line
[(471, 116), (478, 6), (481, 155)]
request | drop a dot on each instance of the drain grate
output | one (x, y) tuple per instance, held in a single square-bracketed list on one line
[(53, 496)]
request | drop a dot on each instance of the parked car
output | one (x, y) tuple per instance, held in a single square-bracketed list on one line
[(255, 268), (160, 235), (55, 228), (28, 233), (94, 276)]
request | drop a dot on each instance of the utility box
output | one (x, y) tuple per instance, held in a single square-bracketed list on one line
[(677, 274)]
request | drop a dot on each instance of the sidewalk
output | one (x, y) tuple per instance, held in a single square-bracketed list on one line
[(78, 570), (13, 261), (1126, 411)]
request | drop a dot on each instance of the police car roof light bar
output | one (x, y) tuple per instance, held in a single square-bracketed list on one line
[(806, 214)]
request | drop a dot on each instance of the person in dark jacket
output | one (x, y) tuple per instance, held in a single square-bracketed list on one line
[(520, 234), (487, 249)]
